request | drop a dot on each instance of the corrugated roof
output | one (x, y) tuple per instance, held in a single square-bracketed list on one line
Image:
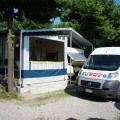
[(76, 37)]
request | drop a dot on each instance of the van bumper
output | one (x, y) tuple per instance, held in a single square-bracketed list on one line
[(108, 90)]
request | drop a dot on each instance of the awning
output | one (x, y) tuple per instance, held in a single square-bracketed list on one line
[(72, 34), (77, 56)]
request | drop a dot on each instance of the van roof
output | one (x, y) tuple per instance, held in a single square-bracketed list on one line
[(106, 51)]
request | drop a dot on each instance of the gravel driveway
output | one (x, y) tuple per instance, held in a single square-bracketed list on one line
[(69, 108)]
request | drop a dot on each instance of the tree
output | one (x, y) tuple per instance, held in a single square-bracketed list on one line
[(97, 20), (26, 24), (29, 24), (36, 10)]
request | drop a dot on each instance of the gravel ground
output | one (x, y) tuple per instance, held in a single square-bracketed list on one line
[(68, 108)]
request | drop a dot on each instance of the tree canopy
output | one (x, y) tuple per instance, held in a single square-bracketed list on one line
[(36, 10), (26, 24), (40, 8), (97, 20)]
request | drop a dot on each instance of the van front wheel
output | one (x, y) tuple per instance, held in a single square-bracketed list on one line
[(118, 94), (76, 88)]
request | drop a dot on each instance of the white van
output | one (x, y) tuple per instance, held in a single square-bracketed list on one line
[(100, 75)]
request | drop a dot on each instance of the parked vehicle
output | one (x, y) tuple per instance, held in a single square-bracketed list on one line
[(100, 75)]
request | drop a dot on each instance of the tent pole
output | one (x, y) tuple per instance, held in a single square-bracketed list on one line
[(70, 52), (20, 81)]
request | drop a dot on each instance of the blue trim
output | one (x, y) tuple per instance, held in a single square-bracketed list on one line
[(42, 73)]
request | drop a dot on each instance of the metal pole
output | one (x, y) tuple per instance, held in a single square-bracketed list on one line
[(20, 81), (70, 52)]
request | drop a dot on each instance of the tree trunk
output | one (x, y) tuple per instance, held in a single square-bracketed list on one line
[(10, 51), (10, 62)]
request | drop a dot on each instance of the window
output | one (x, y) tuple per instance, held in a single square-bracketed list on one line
[(52, 56)]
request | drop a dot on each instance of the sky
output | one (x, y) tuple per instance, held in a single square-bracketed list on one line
[(118, 2), (57, 20)]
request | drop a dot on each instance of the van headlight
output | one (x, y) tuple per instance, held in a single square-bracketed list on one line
[(113, 75)]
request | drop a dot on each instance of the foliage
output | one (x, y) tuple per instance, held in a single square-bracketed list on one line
[(2, 89), (9, 96), (6, 95), (42, 11), (36, 19), (97, 20), (3, 26), (29, 24), (25, 24)]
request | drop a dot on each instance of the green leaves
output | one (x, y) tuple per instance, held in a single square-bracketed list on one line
[(97, 20), (36, 10)]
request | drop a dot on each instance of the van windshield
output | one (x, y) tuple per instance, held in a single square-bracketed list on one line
[(103, 62)]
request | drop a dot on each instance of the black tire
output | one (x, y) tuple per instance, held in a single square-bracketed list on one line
[(118, 94), (76, 85), (76, 88)]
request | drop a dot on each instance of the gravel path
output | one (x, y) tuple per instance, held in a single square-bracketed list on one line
[(69, 108)]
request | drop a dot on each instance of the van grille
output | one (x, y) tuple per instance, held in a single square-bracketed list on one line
[(90, 84)]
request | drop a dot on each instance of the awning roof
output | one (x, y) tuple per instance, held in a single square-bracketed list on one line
[(77, 56), (74, 50), (75, 36)]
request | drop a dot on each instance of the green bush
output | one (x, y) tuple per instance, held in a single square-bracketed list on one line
[(2, 89), (7, 95)]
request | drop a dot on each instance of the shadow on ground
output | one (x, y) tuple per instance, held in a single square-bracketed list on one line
[(96, 119), (87, 119), (117, 105), (72, 119), (70, 89)]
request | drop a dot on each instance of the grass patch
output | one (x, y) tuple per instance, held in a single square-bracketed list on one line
[(7, 95), (117, 118), (10, 96), (48, 97), (36, 99)]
